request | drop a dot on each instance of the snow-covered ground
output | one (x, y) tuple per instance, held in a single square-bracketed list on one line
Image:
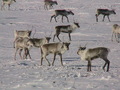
[(29, 75)]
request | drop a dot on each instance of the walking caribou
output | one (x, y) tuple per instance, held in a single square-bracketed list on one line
[(63, 13), (65, 29), (54, 48), (104, 12)]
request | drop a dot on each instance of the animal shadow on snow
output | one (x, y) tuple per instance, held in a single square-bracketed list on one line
[(23, 64), (71, 59)]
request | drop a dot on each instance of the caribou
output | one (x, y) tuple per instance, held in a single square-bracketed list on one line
[(49, 3), (8, 2), (54, 48), (65, 29), (94, 53), (23, 44), (104, 12), (63, 13), (115, 32)]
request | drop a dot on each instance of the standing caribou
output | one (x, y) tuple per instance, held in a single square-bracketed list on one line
[(65, 29), (104, 12), (23, 44), (49, 3), (54, 48), (8, 2), (115, 32), (94, 53), (20, 38), (63, 13)]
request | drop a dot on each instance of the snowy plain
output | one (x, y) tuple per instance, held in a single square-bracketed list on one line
[(29, 75)]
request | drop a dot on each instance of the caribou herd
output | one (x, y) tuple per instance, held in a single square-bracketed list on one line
[(23, 42)]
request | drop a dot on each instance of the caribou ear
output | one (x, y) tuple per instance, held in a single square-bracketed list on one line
[(82, 48)]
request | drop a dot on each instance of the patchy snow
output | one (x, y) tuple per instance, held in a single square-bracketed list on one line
[(29, 75)]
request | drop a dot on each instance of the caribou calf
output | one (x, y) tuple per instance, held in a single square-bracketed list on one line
[(65, 29), (49, 3), (94, 53), (8, 2), (115, 32), (104, 12), (54, 48), (63, 13)]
